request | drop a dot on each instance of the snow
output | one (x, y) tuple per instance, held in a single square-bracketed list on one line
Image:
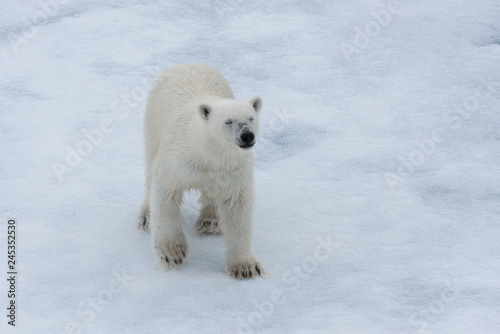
[(377, 165)]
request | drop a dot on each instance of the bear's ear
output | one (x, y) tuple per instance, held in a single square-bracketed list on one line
[(204, 110), (256, 103)]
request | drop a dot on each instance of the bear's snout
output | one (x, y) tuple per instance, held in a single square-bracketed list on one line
[(247, 137)]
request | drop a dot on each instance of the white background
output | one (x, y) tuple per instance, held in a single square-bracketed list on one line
[(379, 138)]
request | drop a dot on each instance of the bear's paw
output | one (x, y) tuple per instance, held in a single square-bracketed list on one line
[(207, 226), (245, 269)]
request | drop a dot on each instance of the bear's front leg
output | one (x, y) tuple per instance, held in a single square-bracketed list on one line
[(236, 223), (169, 242)]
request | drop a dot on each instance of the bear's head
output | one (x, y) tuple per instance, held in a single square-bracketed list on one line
[(231, 122)]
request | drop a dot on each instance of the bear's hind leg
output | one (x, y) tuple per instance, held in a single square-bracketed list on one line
[(143, 222), (208, 221), (144, 217)]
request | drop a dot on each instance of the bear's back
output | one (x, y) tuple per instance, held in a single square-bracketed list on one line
[(191, 82)]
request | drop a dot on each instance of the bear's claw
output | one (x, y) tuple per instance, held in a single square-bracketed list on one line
[(245, 270)]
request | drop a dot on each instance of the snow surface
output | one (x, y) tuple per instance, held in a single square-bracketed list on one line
[(384, 146)]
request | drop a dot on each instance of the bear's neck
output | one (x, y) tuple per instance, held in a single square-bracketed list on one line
[(224, 158)]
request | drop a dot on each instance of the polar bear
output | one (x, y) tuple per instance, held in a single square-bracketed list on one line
[(197, 136)]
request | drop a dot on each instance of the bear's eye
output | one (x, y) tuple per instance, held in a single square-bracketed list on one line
[(229, 122), (251, 118)]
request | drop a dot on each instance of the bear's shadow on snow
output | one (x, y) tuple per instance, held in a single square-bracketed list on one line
[(288, 141)]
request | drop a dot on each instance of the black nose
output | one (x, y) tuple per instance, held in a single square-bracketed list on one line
[(247, 137)]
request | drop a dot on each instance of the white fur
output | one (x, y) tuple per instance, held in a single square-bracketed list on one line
[(185, 149)]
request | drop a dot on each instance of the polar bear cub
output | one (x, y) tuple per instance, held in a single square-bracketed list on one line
[(197, 136)]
